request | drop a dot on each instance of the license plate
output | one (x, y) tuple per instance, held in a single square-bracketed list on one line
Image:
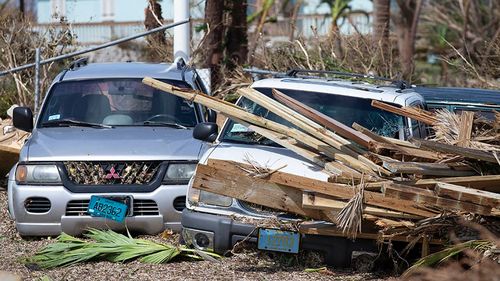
[(107, 208), (278, 240)]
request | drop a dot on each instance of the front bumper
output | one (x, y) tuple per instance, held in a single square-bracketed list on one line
[(223, 233), (57, 220)]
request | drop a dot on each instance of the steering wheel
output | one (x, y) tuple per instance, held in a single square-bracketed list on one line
[(171, 117)]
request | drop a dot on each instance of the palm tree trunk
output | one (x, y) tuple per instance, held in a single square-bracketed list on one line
[(213, 43), (381, 21), (236, 38), (406, 27)]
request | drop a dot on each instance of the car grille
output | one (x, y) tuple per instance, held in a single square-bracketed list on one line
[(110, 173), (37, 205), (141, 207)]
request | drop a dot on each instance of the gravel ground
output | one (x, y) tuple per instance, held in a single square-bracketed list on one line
[(249, 265)]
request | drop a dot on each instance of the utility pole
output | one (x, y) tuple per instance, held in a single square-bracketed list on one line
[(21, 7)]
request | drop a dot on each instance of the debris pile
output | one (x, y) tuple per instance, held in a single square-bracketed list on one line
[(379, 187), (11, 141)]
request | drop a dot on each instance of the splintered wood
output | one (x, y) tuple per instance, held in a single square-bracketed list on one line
[(396, 184)]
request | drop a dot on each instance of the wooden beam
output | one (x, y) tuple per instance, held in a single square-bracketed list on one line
[(252, 190), (323, 119), (337, 190), (465, 194), (237, 113), (428, 169), (343, 152), (413, 113), (320, 201), (331, 167), (427, 197), (488, 183), (470, 153), (296, 119), (465, 129), (334, 231), (414, 152)]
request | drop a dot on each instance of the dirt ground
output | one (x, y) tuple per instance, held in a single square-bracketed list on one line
[(250, 265)]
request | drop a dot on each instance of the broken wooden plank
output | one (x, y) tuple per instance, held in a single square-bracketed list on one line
[(470, 153), (465, 194), (332, 167), (489, 183), (348, 156), (428, 197), (296, 119), (414, 152), (334, 231), (465, 129), (320, 201), (323, 119), (413, 113), (400, 142), (428, 169), (337, 190), (252, 190), (237, 113)]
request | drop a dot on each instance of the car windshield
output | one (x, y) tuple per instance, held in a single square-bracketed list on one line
[(342, 108), (116, 102)]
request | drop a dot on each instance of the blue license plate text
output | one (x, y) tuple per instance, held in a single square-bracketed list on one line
[(106, 208), (278, 240)]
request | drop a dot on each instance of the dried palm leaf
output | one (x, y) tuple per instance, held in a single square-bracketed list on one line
[(349, 219)]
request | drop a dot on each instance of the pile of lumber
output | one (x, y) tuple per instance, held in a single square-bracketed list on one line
[(11, 141), (378, 187)]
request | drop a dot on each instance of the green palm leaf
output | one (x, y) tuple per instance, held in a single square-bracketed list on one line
[(111, 246), (446, 254)]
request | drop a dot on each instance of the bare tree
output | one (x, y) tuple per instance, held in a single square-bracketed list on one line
[(406, 27), (152, 20), (466, 35), (213, 42), (18, 41)]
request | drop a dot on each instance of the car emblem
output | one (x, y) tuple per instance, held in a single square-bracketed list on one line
[(112, 174)]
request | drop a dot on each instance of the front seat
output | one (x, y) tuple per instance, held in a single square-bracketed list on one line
[(93, 108)]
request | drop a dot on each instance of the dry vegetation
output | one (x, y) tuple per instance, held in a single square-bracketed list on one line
[(18, 40)]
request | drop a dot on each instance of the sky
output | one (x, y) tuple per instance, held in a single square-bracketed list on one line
[(86, 11)]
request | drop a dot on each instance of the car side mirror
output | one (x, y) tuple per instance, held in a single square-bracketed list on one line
[(206, 131), (23, 118)]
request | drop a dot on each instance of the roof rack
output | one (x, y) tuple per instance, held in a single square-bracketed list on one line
[(78, 63), (400, 84)]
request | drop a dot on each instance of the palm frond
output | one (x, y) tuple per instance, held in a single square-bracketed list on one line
[(111, 246), (446, 254)]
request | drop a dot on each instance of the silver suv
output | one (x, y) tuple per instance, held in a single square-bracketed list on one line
[(102, 132)]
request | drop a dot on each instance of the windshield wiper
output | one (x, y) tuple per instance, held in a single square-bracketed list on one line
[(69, 122), (166, 124)]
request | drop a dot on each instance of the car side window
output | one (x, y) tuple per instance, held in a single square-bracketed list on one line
[(418, 128)]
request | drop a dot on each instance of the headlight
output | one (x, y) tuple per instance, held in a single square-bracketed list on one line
[(210, 198), (180, 171), (35, 174)]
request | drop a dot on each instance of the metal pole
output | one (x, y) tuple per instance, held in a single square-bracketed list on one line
[(182, 37), (91, 49), (37, 79)]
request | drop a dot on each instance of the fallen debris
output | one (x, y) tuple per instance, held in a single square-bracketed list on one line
[(11, 141), (379, 188)]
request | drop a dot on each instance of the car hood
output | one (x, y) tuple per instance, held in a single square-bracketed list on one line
[(266, 156), (119, 143)]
